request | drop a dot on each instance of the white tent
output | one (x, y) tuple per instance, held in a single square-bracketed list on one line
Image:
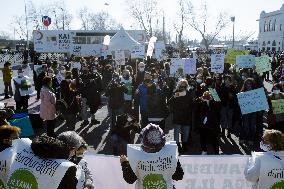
[(122, 41)]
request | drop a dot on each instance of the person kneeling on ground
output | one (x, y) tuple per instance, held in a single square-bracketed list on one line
[(144, 165)]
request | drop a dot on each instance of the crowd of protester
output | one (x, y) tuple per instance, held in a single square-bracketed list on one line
[(139, 94)]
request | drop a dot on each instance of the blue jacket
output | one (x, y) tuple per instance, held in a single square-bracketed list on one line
[(142, 96)]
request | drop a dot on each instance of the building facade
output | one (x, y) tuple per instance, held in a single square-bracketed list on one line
[(271, 30)]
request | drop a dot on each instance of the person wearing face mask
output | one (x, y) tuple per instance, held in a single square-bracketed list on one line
[(60, 75), (199, 81), (275, 119), (227, 94), (265, 169), (182, 103), (23, 90), (55, 83), (79, 160), (140, 75), (248, 128), (38, 80), (48, 105), (208, 116), (126, 79)]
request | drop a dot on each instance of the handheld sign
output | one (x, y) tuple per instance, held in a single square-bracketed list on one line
[(245, 61), (214, 94), (189, 66), (230, 57), (262, 64), (278, 106), (217, 63), (252, 101)]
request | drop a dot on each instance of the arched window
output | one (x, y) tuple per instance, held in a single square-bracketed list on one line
[(268, 42), (264, 29), (273, 43), (263, 44), (269, 25), (274, 25)]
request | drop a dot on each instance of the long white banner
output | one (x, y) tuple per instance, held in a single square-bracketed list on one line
[(201, 172)]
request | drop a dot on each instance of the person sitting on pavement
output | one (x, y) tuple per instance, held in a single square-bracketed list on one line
[(153, 147), (264, 168)]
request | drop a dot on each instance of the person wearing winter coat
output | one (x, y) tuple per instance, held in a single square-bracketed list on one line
[(182, 104), (7, 77), (265, 169), (48, 105)]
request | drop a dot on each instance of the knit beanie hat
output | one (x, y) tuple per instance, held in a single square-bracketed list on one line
[(153, 138)]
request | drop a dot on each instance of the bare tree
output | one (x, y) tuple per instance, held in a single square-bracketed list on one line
[(183, 12), (84, 16), (144, 12), (102, 21), (4, 35), (200, 23)]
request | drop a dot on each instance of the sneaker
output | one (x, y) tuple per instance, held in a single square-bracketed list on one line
[(204, 153), (84, 123), (95, 122)]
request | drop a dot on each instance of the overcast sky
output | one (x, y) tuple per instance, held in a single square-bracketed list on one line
[(246, 13)]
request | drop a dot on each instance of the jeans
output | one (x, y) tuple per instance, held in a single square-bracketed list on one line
[(84, 109), (184, 129), (248, 128)]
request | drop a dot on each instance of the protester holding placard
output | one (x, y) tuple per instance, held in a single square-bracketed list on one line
[(248, 128), (208, 119), (265, 169), (23, 90), (153, 164), (276, 118)]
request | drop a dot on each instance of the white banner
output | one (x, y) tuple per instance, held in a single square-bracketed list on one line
[(138, 51), (200, 172), (176, 63), (217, 63), (119, 57)]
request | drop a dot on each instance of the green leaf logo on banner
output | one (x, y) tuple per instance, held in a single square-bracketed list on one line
[(154, 181), (278, 185), (22, 179)]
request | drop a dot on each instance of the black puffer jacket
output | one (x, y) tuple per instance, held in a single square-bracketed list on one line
[(48, 147)]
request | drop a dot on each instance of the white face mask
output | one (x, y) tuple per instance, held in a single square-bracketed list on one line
[(190, 87), (281, 82), (199, 81), (20, 74), (141, 69), (50, 74), (276, 91), (244, 77), (265, 147), (155, 80)]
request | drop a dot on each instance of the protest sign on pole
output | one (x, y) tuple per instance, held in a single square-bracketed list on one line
[(245, 61), (176, 63), (252, 101), (277, 106), (214, 172), (138, 51), (189, 66), (214, 94), (159, 47), (230, 57), (217, 63), (151, 46), (119, 57), (262, 64)]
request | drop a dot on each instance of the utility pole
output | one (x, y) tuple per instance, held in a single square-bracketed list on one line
[(27, 25), (233, 20), (164, 37), (63, 17)]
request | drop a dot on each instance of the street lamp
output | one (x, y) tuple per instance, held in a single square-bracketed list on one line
[(27, 25), (233, 20)]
